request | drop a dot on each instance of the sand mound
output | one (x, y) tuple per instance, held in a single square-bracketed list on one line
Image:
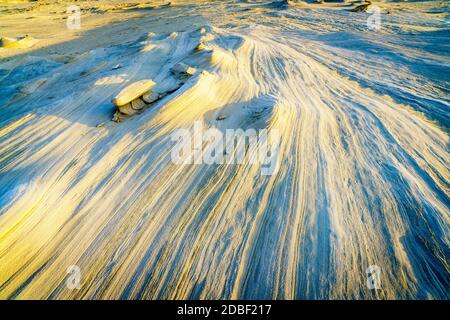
[(18, 43)]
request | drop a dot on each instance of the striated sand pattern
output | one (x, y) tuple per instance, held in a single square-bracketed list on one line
[(363, 176)]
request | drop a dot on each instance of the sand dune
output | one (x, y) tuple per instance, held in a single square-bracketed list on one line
[(363, 176)]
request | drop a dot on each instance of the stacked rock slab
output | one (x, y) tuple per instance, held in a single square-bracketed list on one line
[(136, 96), (128, 101)]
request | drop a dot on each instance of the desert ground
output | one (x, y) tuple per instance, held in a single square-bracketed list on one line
[(360, 98)]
